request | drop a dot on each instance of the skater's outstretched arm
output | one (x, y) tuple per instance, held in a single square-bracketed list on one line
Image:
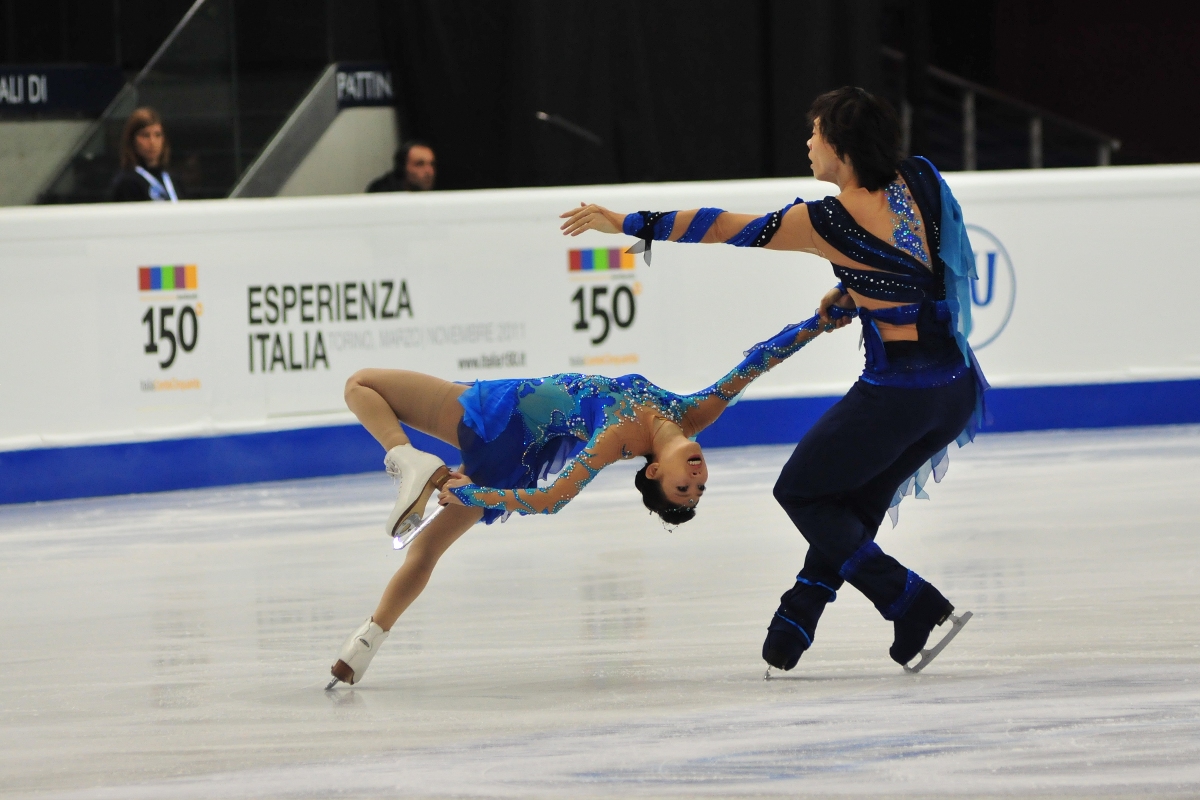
[(761, 358), (789, 228), (602, 449)]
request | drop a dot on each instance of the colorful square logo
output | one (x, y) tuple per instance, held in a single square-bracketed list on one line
[(171, 278), (597, 260)]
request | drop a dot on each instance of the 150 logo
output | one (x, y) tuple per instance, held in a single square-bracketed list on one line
[(601, 308), (172, 327)]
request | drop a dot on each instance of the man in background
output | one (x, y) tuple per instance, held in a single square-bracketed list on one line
[(415, 170)]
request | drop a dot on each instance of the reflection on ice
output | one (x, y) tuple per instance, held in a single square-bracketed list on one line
[(179, 651)]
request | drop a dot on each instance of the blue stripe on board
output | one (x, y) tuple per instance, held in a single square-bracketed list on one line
[(1103, 405), (64, 472)]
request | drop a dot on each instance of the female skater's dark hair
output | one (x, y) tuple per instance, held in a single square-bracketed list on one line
[(655, 499), (864, 127)]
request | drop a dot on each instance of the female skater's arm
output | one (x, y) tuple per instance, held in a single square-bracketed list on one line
[(786, 229), (600, 451), (765, 356)]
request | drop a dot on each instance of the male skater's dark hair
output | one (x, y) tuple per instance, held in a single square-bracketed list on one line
[(655, 499), (864, 127)]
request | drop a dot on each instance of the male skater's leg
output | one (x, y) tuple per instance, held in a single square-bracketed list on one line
[(921, 607), (813, 489), (869, 432), (794, 626)]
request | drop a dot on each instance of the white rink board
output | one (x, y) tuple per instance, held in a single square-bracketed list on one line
[(486, 279)]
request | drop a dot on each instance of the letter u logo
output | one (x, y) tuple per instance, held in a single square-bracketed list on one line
[(991, 283)]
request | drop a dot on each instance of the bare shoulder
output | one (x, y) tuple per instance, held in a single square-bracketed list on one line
[(796, 232)]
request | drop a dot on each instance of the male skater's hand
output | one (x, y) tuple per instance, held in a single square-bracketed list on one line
[(590, 217), (448, 498), (835, 297)]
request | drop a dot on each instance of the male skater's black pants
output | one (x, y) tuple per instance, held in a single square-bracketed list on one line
[(840, 480)]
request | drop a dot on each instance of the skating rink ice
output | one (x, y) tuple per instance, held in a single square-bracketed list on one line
[(177, 645)]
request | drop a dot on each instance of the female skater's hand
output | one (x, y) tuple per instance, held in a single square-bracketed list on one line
[(590, 218), (835, 297), (448, 498)]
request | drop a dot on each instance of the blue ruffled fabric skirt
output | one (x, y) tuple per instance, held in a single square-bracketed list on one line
[(929, 363), (498, 449)]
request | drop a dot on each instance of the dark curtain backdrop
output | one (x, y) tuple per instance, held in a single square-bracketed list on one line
[(677, 90), (1130, 70)]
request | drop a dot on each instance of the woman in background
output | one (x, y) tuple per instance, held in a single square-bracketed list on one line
[(145, 155)]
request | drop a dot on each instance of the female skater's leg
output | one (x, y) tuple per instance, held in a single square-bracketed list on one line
[(422, 556), (404, 587), (384, 398)]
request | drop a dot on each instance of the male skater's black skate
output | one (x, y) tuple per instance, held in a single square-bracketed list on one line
[(929, 609), (794, 625)]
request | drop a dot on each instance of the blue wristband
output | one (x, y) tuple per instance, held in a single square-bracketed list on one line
[(637, 224)]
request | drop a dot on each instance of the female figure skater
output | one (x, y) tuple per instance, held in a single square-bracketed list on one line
[(896, 240), (514, 432)]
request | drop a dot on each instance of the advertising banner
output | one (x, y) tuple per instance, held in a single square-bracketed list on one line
[(52, 89), (146, 322)]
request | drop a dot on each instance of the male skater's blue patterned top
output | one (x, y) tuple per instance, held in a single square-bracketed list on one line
[(935, 292), (931, 284)]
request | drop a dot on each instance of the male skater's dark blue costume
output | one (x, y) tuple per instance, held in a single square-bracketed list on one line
[(890, 432)]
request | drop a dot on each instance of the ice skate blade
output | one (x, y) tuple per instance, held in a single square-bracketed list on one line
[(403, 540), (332, 683), (412, 517), (776, 674), (957, 624)]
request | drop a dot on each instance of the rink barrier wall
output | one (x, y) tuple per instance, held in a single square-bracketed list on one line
[(237, 372), (130, 468)]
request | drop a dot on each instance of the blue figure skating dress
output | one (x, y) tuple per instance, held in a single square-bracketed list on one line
[(515, 433)]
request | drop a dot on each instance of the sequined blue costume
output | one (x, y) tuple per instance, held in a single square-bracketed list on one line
[(890, 432), (515, 433), (935, 291)]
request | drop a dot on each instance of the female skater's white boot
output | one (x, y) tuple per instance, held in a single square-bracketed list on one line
[(356, 654), (420, 475)]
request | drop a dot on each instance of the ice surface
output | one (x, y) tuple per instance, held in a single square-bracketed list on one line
[(176, 645)]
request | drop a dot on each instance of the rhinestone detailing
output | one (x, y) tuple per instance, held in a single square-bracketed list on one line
[(880, 285), (563, 411), (906, 226)]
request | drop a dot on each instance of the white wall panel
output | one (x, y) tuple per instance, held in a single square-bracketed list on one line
[(1102, 260)]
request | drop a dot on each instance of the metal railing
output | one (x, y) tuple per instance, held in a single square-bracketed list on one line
[(972, 127), (217, 113)]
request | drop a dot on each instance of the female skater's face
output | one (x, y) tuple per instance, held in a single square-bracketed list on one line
[(821, 155), (682, 473)]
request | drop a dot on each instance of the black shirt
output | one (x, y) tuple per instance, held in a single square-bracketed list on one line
[(388, 183), (129, 186)]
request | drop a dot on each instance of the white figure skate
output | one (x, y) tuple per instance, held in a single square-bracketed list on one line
[(356, 654), (420, 475)]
